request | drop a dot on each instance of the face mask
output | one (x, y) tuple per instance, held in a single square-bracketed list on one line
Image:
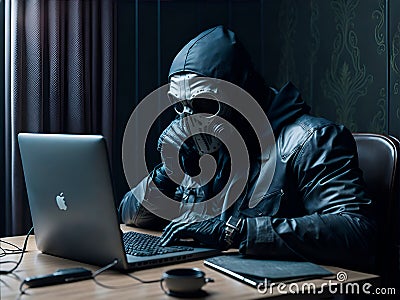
[(189, 100), (204, 143)]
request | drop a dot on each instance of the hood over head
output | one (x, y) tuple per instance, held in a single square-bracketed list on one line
[(218, 53)]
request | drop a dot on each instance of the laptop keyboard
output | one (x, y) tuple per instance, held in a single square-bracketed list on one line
[(141, 244)]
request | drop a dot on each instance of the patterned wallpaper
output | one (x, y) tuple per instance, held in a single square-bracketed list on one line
[(345, 59), (394, 71), (347, 79), (342, 54)]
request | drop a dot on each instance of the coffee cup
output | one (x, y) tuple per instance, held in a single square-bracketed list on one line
[(184, 282)]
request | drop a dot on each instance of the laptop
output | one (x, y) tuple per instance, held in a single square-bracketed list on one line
[(74, 214)]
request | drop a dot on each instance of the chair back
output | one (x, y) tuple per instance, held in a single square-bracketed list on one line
[(378, 157)]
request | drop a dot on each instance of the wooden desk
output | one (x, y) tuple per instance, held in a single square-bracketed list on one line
[(36, 263)]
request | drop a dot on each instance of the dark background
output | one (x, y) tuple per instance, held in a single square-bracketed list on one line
[(342, 54)]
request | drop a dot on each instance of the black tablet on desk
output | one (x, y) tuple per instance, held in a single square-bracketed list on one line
[(260, 271)]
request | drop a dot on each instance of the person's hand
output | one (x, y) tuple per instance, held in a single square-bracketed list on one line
[(174, 142), (209, 232)]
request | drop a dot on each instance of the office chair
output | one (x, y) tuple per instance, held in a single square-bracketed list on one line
[(379, 160)]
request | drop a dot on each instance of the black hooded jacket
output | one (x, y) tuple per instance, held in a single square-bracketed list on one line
[(316, 207)]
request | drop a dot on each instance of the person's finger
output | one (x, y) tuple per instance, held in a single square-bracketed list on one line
[(177, 133), (168, 227), (173, 236), (168, 230), (171, 136), (181, 131), (174, 233), (170, 142)]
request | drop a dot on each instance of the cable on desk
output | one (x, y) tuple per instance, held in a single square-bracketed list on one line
[(141, 280), (22, 251), (94, 275), (98, 272), (7, 251), (21, 291)]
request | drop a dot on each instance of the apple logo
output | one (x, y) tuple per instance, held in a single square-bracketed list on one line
[(61, 202)]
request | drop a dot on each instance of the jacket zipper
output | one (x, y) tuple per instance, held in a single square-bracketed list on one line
[(274, 193)]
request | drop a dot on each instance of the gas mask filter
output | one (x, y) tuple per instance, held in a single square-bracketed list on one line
[(194, 99)]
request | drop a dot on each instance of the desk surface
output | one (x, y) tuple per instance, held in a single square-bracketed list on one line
[(36, 263)]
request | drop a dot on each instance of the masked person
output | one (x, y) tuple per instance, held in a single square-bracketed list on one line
[(315, 207)]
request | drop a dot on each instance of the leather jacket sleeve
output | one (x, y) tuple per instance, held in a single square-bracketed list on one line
[(337, 228), (132, 212)]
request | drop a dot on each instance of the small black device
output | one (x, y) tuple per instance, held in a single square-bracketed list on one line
[(59, 276)]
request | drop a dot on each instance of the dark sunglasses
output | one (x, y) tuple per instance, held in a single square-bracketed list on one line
[(198, 106)]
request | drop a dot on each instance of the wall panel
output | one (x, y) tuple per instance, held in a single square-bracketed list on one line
[(342, 54), (394, 67)]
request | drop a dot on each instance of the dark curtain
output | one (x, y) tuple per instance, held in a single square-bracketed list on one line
[(60, 80)]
